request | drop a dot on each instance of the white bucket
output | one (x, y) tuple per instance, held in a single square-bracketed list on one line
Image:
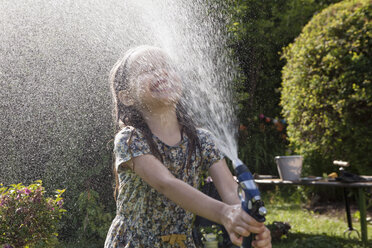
[(289, 167)]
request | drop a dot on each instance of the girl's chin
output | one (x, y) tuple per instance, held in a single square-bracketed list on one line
[(166, 98), (166, 95)]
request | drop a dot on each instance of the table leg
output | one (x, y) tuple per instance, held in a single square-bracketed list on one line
[(363, 215), (348, 214)]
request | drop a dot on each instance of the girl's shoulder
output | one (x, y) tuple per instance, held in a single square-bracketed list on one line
[(204, 135), (209, 149), (128, 133), (203, 132)]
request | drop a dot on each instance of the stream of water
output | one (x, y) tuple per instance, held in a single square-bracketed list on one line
[(55, 57)]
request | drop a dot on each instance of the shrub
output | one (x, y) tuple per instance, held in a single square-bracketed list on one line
[(327, 91), (27, 216), (259, 29), (93, 219)]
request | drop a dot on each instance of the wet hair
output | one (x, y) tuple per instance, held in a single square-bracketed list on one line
[(131, 116)]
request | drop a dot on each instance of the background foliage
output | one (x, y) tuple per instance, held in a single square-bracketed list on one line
[(28, 216), (327, 90), (259, 30)]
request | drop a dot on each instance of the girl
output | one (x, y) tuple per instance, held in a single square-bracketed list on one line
[(159, 158)]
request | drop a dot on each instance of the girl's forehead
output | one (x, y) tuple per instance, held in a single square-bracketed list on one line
[(146, 58)]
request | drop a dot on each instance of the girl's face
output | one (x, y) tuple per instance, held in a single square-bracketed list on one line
[(153, 80)]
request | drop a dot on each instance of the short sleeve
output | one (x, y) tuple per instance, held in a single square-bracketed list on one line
[(129, 143), (210, 152)]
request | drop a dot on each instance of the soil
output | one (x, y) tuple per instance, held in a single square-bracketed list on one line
[(337, 209)]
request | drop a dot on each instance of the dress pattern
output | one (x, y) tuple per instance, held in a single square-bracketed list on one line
[(143, 215)]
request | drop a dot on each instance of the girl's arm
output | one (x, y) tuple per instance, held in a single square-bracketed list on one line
[(227, 189), (225, 184), (236, 221)]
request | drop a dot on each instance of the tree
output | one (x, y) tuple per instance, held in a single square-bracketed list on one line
[(259, 30), (327, 90)]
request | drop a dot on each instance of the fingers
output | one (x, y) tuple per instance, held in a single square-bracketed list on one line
[(245, 229), (249, 219), (250, 224), (236, 239), (242, 231), (239, 224), (237, 234), (262, 239)]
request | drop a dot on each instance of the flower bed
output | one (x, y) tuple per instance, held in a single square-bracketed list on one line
[(27, 216)]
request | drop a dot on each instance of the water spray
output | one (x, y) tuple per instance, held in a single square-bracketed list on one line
[(58, 53), (250, 197)]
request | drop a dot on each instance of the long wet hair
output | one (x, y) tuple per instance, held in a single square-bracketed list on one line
[(130, 116)]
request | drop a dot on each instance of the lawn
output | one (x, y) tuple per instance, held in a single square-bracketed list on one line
[(309, 229)]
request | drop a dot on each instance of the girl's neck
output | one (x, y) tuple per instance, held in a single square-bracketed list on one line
[(164, 124)]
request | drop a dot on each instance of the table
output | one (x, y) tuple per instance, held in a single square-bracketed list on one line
[(358, 185)]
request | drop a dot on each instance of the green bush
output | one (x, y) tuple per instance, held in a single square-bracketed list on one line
[(326, 90), (258, 30), (28, 217), (94, 220)]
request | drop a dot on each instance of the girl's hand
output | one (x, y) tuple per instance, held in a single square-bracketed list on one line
[(262, 240), (239, 224)]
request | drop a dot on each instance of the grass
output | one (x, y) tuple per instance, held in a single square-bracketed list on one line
[(310, 230)]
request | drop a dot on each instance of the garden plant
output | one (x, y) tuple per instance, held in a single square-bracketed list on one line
[(313, 98), (28, 217), (327, 89)]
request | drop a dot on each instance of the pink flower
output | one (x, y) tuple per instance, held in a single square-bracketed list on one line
[(27, 191), (262, 116)]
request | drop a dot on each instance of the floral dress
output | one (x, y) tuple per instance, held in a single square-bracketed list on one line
[(145, 217)]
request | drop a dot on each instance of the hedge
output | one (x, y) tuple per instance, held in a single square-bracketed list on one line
[(326, 88)]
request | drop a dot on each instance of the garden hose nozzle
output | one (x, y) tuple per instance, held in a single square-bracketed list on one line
[(250, 197)]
